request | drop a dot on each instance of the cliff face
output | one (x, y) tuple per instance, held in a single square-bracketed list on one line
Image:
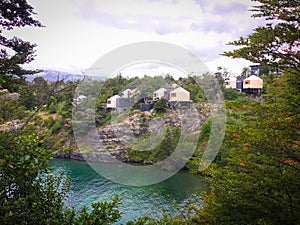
[(127, 132)]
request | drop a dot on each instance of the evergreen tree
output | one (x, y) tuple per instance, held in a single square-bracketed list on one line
[(14, 14), (277, 43), (257, 177)]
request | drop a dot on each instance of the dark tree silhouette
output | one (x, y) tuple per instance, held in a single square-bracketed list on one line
[(14, 52)]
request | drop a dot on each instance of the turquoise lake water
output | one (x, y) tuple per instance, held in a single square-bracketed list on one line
[(88, 186)]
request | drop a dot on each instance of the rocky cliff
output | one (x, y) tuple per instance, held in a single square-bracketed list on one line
[(125, 132)]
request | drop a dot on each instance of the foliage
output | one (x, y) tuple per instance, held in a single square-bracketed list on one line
[(41, 90), (277, 43), (160, 106), (157, 153), (14, 14), (257, 175), (11, 109), (103, 117), (221, 75), (102, 213), (112, 86), (191, 84), (21, 162), (27, 97), (194, 162), (230, 94), (30, 195)]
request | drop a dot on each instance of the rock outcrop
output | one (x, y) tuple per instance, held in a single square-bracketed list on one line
[(112, 142)]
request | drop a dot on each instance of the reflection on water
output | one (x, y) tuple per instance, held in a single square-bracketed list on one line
[(88, 186)]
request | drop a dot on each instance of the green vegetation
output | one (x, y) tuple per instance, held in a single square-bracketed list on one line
[(161, 106), (254, 179), (29, 194), (275, 45), (257, 175), (230, 94), (144, 150), (15, 51)]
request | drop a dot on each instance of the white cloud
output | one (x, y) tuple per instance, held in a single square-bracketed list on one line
[(78, 32)]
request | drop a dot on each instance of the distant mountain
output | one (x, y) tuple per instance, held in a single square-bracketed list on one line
[(53, 75)]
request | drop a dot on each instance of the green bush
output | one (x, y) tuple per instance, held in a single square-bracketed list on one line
[(230, 94)]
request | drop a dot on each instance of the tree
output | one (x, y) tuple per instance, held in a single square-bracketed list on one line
[(28, 193), (257, 176), (160, 106), (245, 72), (13, 14), (27, 97), (277, 43), (10, 109), (221, 75), (41, 90), (230, 94)]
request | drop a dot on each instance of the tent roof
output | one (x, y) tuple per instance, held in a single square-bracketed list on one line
[(161, 90), (253, 77), (114, 97), (180, 89), (127, 90)]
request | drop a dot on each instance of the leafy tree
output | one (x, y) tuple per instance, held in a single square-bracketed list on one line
[(190, 83), (52, 104), (230, 94), (160, 106), (30, 195), (277, 43), (257, 175), (221, 75), (102, 213), (27, 97), (13, 14), (245, 72), (41, 90), (21, 162), (10, 109)]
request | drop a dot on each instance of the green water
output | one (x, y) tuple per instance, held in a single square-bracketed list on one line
[(88, 186)]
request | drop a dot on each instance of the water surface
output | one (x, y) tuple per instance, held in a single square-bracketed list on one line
[(88, 186)]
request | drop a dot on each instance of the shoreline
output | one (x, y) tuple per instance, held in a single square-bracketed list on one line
[(78, 157)]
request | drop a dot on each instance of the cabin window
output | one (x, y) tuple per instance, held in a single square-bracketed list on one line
[(155, 95), (173, 94), (108, 102), (247, 82)]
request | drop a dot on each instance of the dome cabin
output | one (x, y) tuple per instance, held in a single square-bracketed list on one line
[(231, 83), (180, 95), (161, 93), (112, 102), (253, 85), (127, 93)]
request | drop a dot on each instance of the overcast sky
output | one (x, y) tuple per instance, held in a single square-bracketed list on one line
[(78, 32)]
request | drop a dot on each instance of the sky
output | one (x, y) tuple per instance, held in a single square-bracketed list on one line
[(79, 32)]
